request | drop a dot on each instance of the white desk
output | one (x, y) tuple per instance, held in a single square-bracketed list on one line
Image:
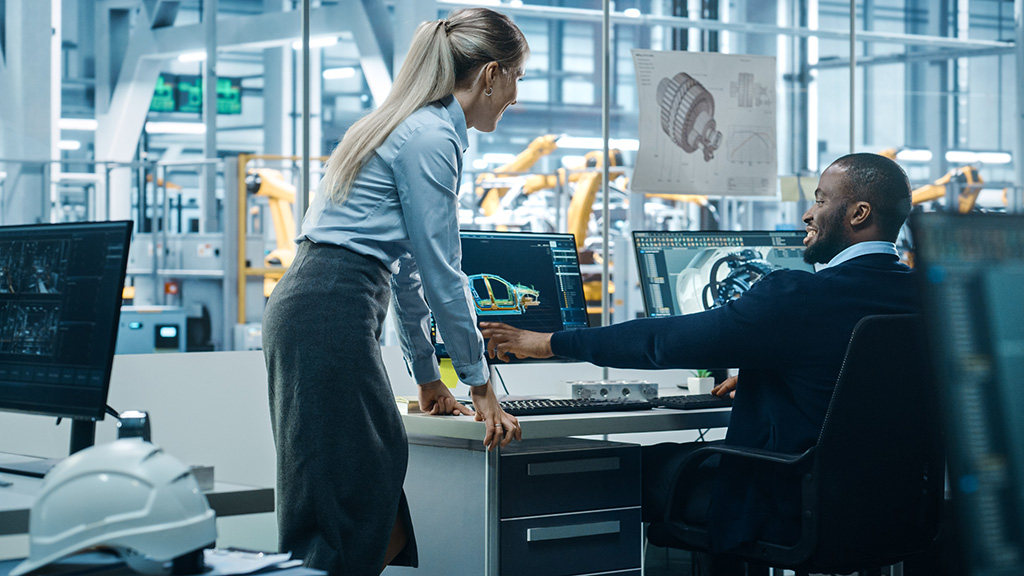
[(454, 485), (565, 425), (225, 499)]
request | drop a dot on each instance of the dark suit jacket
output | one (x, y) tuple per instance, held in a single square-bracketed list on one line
[(787, 335)]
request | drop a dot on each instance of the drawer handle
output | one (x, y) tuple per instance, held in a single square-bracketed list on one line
[(572, 531), (572, 466)]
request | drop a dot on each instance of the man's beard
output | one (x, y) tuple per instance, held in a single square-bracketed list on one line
[(831, 239)]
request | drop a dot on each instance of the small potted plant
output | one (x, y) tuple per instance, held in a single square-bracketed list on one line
[(701, 382)]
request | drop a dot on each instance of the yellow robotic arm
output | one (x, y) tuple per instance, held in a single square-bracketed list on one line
[(491, 197), (967, 176), (280, 195), (587, 184), (970, 186)]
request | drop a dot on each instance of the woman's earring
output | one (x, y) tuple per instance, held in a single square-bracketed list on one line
[(488, 92)]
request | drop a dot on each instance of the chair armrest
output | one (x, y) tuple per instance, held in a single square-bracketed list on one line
[(684, 472), (760, 454)]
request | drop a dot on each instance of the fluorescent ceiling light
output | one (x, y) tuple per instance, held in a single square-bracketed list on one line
[(192, 56), (994, 157), (495, 158), (968, 157), (909, 155), (479, 164), (339, 73), (515, 2), (631, 12), (175, 128), (571, 161), (961, 156), (3, 175), (629, 144), (88, 124), (319, 42), (69, 144)]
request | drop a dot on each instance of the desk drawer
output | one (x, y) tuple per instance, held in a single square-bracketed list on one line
[(582, 475), (564, 544)]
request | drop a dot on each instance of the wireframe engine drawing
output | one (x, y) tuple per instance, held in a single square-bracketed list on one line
[(688, 114), (495, 295), (700, 286)]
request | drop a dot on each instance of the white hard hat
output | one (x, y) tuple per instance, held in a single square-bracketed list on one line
[(127, 495)]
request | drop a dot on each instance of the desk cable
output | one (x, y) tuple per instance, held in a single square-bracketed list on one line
[(502, 380)]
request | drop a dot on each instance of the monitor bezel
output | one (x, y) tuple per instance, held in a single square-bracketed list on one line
[(91, 413)]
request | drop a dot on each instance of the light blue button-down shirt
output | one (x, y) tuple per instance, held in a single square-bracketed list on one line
[(403, 210), (860, 249)]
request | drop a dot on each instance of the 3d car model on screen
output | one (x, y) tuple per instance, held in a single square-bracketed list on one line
[(495, 295)]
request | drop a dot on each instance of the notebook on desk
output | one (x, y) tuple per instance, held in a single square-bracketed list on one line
[(34, 468)]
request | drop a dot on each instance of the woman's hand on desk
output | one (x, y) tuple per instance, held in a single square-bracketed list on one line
[(435, 398), (727, 387), (504, 340), (501, 427)]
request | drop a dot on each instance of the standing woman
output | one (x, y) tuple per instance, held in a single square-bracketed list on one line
[(383, 227)]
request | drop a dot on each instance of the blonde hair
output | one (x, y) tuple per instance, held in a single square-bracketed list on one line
[(443, 55)]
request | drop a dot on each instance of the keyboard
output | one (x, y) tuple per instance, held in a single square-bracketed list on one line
[(535, 407), (692, 401)]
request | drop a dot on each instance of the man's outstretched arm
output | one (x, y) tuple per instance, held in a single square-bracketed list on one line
[(504, 340)]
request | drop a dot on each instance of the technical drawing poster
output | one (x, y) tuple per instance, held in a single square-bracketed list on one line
[(707, 123)]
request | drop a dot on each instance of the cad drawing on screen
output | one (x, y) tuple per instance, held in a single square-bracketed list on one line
[(30, 268), (701, 285), (688, 114), (493, 294)]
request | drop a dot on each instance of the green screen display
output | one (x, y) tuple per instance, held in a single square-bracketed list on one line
[(229, 96), (184, 93), (163, 94), (190, 93)]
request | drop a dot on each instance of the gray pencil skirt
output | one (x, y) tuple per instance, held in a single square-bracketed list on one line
[(341, 446)]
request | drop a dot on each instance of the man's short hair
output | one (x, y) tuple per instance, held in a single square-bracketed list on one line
[(880, 182)]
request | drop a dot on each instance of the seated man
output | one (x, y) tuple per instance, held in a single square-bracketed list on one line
[(787, 335)]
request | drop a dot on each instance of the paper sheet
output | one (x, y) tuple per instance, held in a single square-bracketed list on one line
[(707, 123)]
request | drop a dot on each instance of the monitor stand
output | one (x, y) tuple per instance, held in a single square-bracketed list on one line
[(83, 435)]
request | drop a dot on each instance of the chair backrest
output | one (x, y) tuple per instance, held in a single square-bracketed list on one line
[(880, 463)]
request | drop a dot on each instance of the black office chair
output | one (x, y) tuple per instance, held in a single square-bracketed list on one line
[(872, 486)]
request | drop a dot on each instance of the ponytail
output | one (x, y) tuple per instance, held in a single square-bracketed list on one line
[(442, 54)]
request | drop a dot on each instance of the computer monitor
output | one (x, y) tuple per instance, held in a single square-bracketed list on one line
[(526, 279), (60, 297), (682, 272), (971, 271)]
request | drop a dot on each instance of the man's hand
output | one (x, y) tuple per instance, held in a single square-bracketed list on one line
[(728, 386), (505, 340), (435, 398), (501, 427)]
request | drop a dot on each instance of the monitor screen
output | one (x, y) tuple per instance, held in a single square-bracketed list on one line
[(971, 270), (525, 279), (60, 299), (683, 272)]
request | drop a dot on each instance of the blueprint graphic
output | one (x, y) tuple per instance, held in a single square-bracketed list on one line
[(707, 123)]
